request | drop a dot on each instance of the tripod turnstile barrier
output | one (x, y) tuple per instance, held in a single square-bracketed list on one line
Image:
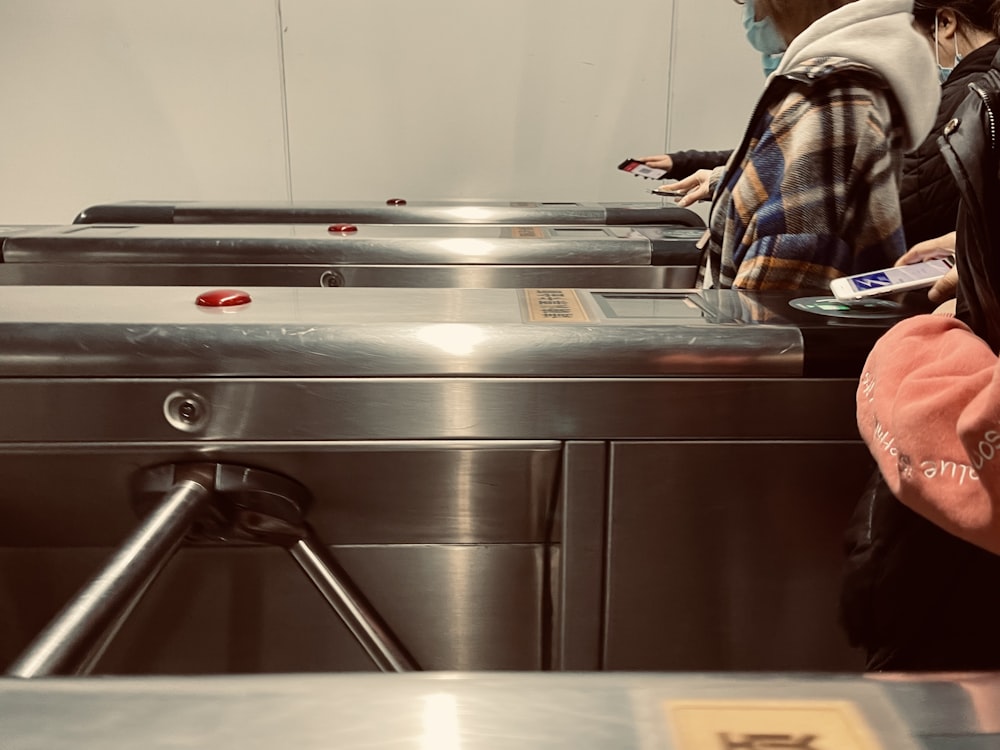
[(517, 479), (206, 502)]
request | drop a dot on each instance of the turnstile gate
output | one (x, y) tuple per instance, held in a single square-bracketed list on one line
[(200, 501), (353, 255), (391, 211), (514, 479)]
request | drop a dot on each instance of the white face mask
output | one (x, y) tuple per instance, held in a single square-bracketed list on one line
[(944, 72)]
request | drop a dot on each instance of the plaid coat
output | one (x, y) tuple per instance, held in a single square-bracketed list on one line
[(813, 191)]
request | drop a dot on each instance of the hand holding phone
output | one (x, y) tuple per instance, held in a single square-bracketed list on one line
[(891, 280), (639, 169)]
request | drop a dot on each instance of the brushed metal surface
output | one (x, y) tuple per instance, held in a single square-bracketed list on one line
[(281, 244), (251, 609), (479, 712), (433, 212), (423, 255), (452, 544), (581, 528), (443, 212), (98, 330), (728, 556), (39, 411), (467, 276), (363, 493)]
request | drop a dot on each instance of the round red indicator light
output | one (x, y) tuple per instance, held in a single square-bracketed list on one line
[(223, 298), (343, 228)]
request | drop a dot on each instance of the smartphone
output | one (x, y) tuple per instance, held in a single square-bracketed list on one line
[(633, 166), (667, 192), (890, 280)]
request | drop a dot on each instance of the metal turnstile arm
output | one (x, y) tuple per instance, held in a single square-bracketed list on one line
[(206, 502), (75, 638), (360, 617)]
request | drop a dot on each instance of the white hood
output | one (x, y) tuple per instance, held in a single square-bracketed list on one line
[(879, 34)]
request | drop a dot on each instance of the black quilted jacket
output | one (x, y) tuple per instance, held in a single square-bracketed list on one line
[(927, 193)]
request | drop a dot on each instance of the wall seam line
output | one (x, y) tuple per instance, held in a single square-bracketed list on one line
[(670, 76), (286, 139)]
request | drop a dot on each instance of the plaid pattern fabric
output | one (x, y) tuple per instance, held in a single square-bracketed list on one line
[(816, 194)]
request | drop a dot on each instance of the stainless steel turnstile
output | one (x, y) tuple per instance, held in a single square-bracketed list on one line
[(353, 255), (391, 211), (510, 479), (501, 711)]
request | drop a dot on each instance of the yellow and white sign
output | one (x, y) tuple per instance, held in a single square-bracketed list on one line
[(769, 725), (555, 306)]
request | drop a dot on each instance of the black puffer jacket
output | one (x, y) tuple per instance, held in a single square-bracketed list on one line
[(927, 194)]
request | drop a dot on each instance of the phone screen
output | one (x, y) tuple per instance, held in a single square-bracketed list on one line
[(927, 271), (642, 170)]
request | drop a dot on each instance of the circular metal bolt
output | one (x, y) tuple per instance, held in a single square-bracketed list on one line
[(331, 279), (186, 411)]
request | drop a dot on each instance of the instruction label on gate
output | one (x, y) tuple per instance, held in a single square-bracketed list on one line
[(554, 306), (527, 233), (769, 725)]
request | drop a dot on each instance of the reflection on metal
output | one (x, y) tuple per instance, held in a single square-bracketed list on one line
[(376, 332), (441, 727), (459, 339)]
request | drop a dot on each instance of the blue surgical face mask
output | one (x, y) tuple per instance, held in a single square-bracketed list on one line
[(944, 72), (770, 63), (763, 37)]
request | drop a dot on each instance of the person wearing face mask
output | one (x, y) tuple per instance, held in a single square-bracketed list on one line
[(962, 36), (923, 556), (770, 45), (963, 40), (813, 191), (763, 37)]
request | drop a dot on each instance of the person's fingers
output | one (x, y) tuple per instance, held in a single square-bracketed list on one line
[(686, 185), (944, 288), (946, 308), (938, 247), (659, 161), (922, 252), (694, 195)]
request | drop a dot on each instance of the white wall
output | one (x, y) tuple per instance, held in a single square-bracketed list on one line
[(108, 100)]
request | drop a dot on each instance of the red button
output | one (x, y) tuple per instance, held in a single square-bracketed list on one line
[(223, 298), (395, 202), (342, 228)]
